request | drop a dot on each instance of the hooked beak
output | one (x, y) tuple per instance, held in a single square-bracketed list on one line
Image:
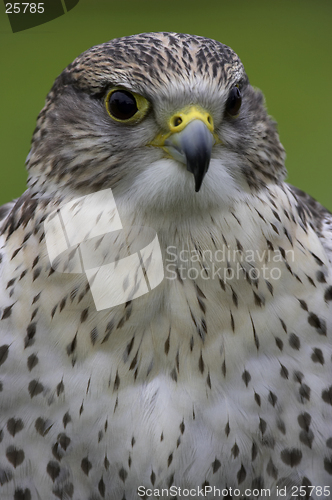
[(192, 147), (190, 141)]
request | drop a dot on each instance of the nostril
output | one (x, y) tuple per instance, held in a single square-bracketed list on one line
[(177, 120), (209, 119)]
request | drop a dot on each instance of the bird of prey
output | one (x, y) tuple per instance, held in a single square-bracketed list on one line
[(217, 381)]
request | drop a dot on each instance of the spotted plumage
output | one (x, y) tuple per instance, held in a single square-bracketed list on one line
[(220, 376)]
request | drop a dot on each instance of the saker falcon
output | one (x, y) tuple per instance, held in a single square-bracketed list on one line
[(219, 376)]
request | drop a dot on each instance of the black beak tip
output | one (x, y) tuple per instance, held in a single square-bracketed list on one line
[(198, 173), (198, 183), (197, 151)]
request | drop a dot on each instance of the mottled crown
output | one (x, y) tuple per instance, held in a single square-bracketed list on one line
[(153, 59)]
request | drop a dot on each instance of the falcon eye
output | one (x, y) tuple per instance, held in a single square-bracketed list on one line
[(125, 106), (122, 105), (233, 103)]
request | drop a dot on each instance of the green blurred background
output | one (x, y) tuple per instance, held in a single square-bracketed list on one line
[(285, 46)]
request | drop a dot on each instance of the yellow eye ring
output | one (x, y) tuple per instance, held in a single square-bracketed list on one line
[(124, 106)]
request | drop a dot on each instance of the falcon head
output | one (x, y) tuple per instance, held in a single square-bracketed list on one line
[(164, 119)]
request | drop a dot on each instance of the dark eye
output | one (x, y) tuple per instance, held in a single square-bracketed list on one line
[(122, 105), (233, 103)]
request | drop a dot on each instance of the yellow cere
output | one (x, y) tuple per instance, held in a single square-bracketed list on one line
[(181, 119)]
